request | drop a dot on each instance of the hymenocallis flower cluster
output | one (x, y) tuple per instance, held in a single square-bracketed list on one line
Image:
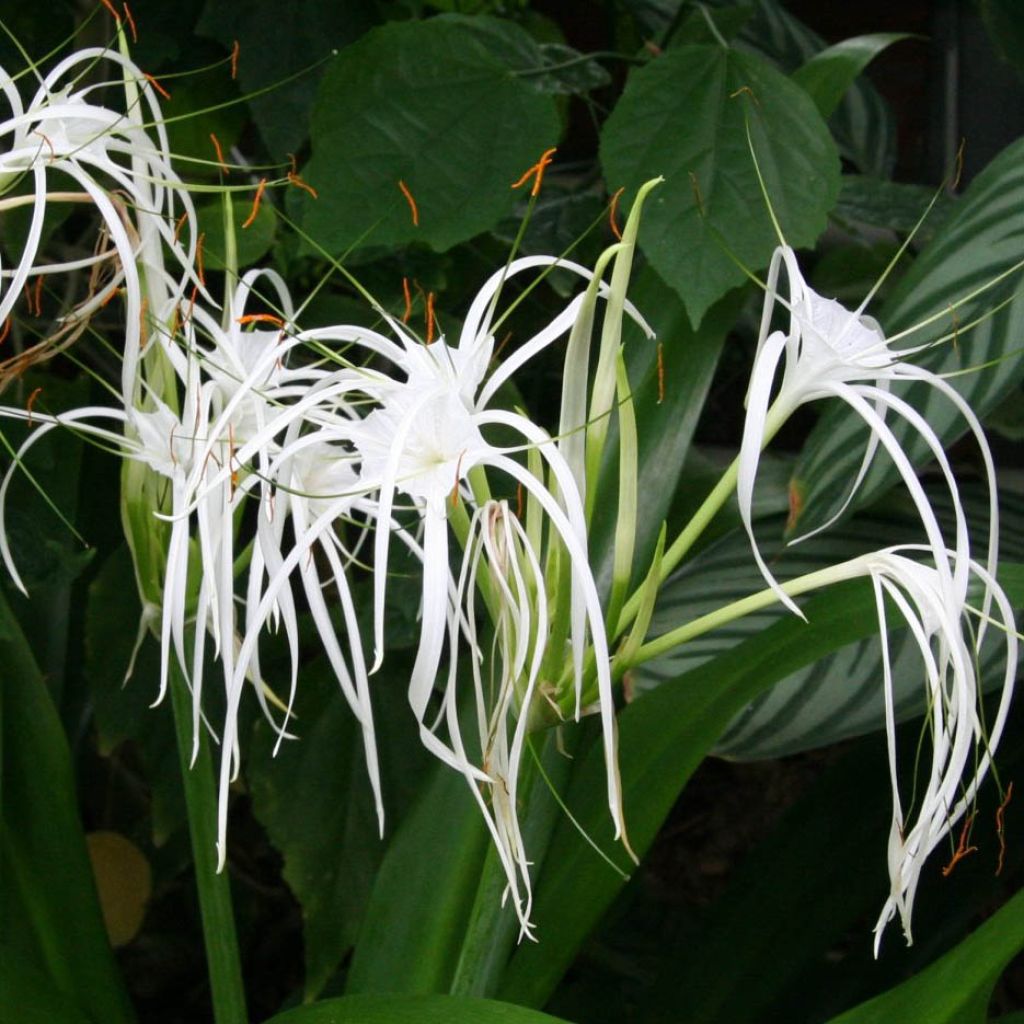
[(269, 469)]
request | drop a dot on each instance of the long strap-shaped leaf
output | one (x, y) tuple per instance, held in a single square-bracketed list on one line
[(48, 903), (663, 737)]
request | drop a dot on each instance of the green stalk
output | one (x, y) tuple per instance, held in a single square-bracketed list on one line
[(746, 606), (702, 518), (219, 935)]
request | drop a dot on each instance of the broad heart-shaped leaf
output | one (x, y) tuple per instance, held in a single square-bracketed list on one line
[(957, 988), (662, 739), (827, 75), (428, 104), (315, 801), (421, 1009), (279, 47), (839, 696), (685, 116), (983, 238), (51, 915), (863, 125)]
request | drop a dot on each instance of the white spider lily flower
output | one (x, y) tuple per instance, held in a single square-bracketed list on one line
[(106, 152), (424, 439), (831, 352), (962, 743)]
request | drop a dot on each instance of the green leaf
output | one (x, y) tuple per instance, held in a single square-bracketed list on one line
[(863, 125), (837, 697), (423, 895), (891, 205), (253, 242), (1005, 24), (747, 950), (28, 995), (123, 710), (982, 239), (46, 882), (422, 1009), (828, 74), (315, 801), (277, 41), (685, 116), (662, 739), (428, 104), (957, 988)]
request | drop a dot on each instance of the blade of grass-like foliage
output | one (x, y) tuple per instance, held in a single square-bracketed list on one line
[(984, 237), (47, 892), (421, 1009), (668, 395), (957, 988), (28, 996), (662, 739), (423, 895)]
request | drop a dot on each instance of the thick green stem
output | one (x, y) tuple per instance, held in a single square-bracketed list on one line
[(219, 933), (701, 519), (746, 606)]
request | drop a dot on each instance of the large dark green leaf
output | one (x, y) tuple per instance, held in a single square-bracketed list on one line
[(863, 125), (51, 913), (421, 901), (123, 710), (685, 116), (315, 801), (957, 988), (662, 739), (423, 1009), (982, 239), (432, 105), (277, 41)]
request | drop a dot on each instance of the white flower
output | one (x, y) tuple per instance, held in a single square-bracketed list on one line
[(830, 352), (113, 156), (962, 744)]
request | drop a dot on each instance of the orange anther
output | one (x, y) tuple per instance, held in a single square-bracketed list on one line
[(430, 317), (220, 154), (407, 295), (613, 209), (5, 331), (131, 21), (156, 85), (113, 10), (109, 297), (255, 203), (260, 318), (294, 179), (501, 345), (536, 171), (796, 503), (31, 402), (1001, 827), (413, 208), (142, 322), (458, 474), (744, 89), (962, 849), (38, 296), (180, 225), (199, 259), (234, 59), (519, 501), (661, 373)]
